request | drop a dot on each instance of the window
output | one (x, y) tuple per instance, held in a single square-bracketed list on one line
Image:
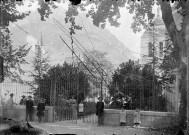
[(160, 49)]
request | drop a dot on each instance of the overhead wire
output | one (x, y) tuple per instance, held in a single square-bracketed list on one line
[(91, 44), (77, 57), (83, 52), (81, 45), (64, 29), (21, 28), (88, 58)]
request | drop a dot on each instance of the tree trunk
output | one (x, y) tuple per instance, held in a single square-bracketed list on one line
[(180, 39)]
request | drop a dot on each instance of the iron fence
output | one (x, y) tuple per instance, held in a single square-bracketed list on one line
[(145, 97), (58, 93)]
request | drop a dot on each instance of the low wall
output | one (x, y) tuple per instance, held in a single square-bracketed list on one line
[(111, 117), (19, 113), (148, 118)]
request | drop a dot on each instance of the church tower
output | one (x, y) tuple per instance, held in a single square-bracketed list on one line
[(153, 39)]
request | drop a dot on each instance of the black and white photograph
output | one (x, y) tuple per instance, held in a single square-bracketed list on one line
[(94, 67)]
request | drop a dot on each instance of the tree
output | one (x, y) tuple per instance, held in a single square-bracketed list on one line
[(40, 63), (99, 65), (41, 66), (13, 57), (64, 80), (169, 62), (131, 79), (142, 11), (106, 10)]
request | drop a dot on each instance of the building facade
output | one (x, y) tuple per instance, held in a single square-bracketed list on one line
[(153, 42)]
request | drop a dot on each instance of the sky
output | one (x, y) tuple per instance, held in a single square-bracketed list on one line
[(124, 33)]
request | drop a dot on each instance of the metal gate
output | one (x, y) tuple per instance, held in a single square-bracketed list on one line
[(61, 93), (64, 92)]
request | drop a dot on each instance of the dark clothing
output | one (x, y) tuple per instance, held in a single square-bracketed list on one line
[(22, 102), (99, 112), (99, 108), (29, 105), (29, 109), (100, 120), (28, 113), (180, 132), (40, 109)]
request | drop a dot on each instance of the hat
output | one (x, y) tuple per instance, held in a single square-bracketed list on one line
[(29, 96), (42, 100), (11, 94), (100, 98)]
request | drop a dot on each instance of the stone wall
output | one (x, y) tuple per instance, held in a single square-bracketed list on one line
[(19, 113), (111, 117), (148, 118)]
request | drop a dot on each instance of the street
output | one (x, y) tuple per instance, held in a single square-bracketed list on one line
[(80, 128)]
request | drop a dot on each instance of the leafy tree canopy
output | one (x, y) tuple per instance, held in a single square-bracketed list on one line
[(65, 77)]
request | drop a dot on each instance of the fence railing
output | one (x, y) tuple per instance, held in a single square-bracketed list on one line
[(144, 97)]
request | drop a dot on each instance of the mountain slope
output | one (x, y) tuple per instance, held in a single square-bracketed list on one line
[(101, 39)]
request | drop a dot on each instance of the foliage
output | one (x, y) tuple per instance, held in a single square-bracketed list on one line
[(13, 57), (132, 79), (57, 79), (40, 64), (169, 62), (103, 11), (9, 12), (98, 64), (89, 108)]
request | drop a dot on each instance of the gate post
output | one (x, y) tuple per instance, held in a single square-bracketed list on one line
[(141, 96), (53, 97), (77, 73), (54, 103)]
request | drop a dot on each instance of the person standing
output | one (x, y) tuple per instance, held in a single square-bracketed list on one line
[(40, 109), (100, 111), (29, 108), (137, 119), (81, 109), (23, 100), (122, 117), (73, 104), (9, 107)]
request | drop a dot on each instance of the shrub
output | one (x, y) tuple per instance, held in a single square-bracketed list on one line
[(89, 108)]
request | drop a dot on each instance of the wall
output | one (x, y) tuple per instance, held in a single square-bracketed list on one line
[(111, 117), (19, 113), (148, 118)]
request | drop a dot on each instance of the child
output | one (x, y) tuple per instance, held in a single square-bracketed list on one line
[(122, 117), (40, 109), (137, 119)]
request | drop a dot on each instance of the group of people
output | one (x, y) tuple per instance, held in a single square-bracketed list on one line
[(66, 108), (28, 102), (123, 115), (118, 103)]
